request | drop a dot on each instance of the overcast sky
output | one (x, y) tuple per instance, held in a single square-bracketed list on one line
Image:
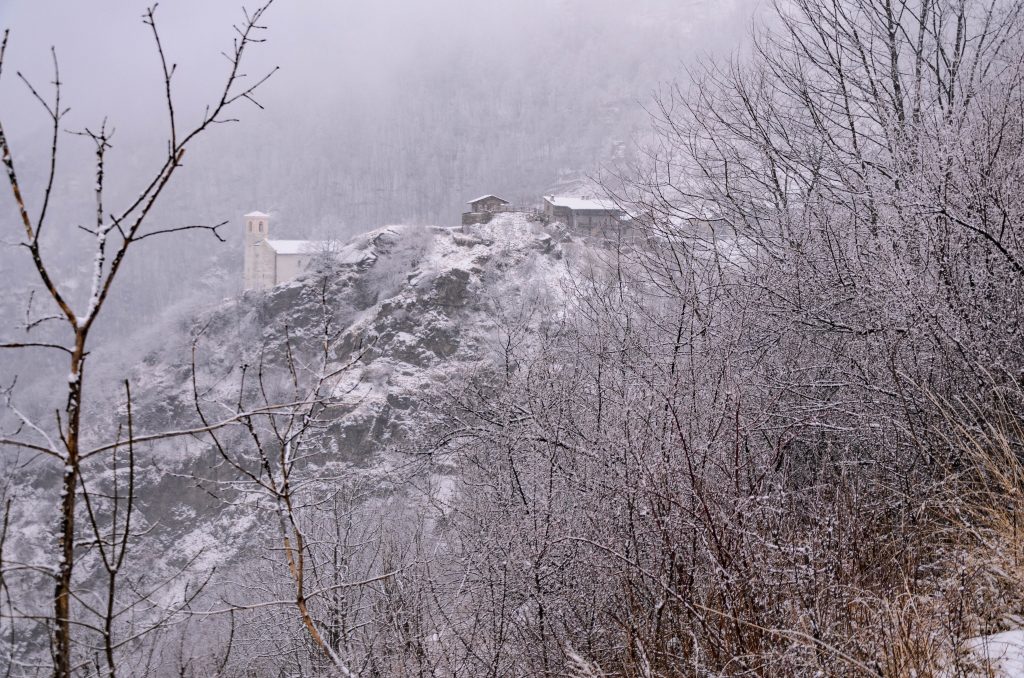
[(382, 111), (332, 53)]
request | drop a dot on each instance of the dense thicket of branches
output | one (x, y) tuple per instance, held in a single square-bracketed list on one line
[(748, 450)]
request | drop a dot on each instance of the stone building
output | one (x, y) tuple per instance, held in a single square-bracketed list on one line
[(487, 203), (589, 215), (270, 262), (483, 208)]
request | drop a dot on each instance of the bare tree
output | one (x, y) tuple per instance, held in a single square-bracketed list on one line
[(61, 442), (282, 467)]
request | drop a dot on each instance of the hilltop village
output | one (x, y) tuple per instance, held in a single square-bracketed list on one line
[(270, 262)]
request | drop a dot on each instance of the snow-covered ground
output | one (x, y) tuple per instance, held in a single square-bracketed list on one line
[(1000, 653)]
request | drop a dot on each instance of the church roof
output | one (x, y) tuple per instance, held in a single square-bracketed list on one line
[(258, 215), (296, 246), (345, 254)]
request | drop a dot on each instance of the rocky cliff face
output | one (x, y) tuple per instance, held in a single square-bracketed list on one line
[(420, 309)]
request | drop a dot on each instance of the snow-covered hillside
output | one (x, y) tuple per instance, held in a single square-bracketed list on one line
[(410, 309)]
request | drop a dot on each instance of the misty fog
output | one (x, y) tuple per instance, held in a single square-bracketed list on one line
[(380, 112), (558, 338)]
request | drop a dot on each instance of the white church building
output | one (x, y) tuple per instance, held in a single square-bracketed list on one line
[(270, 262)]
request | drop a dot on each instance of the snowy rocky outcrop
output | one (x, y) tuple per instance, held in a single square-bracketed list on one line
[(409, 309)]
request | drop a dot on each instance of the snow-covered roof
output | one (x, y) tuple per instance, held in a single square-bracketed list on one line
[(577, 204), (258, 215), (344, 254), (484, 197), (296, 246)]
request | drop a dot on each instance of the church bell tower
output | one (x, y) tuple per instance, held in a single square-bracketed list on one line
[(257, 229)]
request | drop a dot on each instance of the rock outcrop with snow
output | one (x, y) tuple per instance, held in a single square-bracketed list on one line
[(409, 309)]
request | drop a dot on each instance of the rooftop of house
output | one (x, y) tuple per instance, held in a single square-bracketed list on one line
[(579, 204), (258, 215), (485, 197)]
